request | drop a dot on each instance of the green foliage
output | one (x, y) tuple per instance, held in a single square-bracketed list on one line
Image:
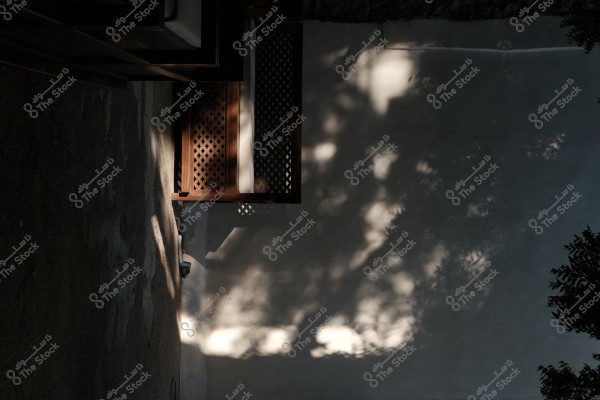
[(563, 384), (585, 28), (573, 283)]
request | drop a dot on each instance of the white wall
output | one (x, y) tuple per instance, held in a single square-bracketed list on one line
[(456, 352)]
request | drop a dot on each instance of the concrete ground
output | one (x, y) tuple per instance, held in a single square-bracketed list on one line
[(76, 245)]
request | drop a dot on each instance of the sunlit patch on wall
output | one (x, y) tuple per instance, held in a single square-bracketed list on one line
[(472, 260), (382, 165), (480, 209), (546, 147), (226, 342), (332, 125), (249, 303), (399, 331), (435, 260), (336, 340), (385, 77), (322, 155), (378, 216), (324, 152), (403, 283), (271, 341), (319, 156), (424, 168), (158, 239), (383, 320)]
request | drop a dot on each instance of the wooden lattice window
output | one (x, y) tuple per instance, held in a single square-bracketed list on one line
[(210, 130)]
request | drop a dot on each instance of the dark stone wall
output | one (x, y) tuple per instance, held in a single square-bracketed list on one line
[(466, 10)]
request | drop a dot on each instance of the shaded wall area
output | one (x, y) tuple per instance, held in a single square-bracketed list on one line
[(405, 152)]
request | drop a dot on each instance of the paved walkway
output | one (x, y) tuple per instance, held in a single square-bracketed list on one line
[(119, 231)]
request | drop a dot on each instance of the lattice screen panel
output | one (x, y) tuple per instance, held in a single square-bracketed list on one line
[(254, 209), (209, 133), (275, 76)]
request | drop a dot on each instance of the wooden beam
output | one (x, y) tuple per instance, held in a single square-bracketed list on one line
[(187, 155), (233, 130), (235, 198)]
